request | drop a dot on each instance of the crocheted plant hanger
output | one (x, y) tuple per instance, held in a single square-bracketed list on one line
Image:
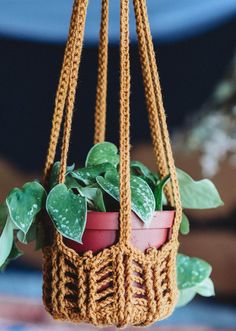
[(120, 285)]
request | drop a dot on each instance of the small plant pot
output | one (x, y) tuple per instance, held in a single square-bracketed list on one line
[(102, 230)]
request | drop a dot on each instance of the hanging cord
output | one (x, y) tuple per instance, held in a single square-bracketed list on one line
[(150, 95), (161, 137), (157, 116), (162, 117), (61, 93), (74, 71), (125, 191), (101, 94)]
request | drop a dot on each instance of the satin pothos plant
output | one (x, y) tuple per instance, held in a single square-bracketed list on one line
[(95, 187)]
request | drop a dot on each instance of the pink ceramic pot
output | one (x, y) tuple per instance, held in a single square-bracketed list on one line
[(102, 230)]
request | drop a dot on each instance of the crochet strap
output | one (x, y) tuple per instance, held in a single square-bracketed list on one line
[(125, 191), (73, 79), (66, 89), (61, 93), (157, 117), (101, 94)]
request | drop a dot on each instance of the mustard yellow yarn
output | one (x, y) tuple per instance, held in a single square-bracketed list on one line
[(120, 285)]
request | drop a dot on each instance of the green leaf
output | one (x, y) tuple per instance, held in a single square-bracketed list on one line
[(35, 233), (138, 168), (55, 173), (71, 182), (6, 241), (148, 181), (94, 196), (193, 278), (143, 201), (185, 296), (112, 175), (191, 271), (158, 192), (104, 152), (111, 187), (200, 194), (88, 175), (24, 204), (184, 226), (29, 236), (68, 212), (206, 288), (142, 169)]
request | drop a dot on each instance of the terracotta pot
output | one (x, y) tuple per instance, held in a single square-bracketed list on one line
[(102, 230)]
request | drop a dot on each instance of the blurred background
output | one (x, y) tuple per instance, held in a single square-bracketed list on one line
[(195, 43)]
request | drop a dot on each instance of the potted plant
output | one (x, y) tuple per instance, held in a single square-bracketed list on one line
[(85, 211)]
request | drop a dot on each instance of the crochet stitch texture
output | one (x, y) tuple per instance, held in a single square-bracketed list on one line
[(120, 285)]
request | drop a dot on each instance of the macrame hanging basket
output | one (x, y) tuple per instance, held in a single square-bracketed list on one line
[(120, 285)]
